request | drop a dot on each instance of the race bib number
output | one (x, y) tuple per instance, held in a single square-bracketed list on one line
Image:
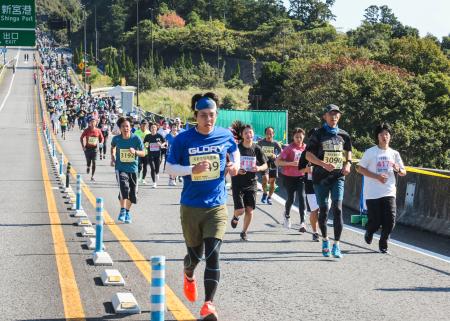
[(105, 128), (248, 162), (384, 165), (154, 147), (335, 158), (297, 156), (268, 150), (126, 156), (214, 171), (93, 141)]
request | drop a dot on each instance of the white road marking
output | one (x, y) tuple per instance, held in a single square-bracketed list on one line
[(10, 85), (400, 244)]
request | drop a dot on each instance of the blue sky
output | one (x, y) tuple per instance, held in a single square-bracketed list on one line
[(431, 16)]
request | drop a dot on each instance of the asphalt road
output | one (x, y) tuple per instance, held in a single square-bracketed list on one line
[(277, 275)]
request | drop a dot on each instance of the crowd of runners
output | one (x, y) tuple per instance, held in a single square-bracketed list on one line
[(311, 169)]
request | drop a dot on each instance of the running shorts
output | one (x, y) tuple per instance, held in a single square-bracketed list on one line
[(243, 198), (63, 128), (273, 173), (128, 186), (201, 223), (91, 154)]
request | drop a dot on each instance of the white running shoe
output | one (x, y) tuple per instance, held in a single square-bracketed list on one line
[(157, 177), (287, 223), (155, 185), (172, 182), (143, 182)]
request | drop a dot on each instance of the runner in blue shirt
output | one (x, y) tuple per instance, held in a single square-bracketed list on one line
[(124, 149), (200, 155)]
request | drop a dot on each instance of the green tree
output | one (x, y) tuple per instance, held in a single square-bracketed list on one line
[(311, 13), (419, 56)]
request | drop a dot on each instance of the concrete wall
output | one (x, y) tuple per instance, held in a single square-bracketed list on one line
[(425, 205)]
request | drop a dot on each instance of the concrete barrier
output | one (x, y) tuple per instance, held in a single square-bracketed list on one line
[(423, 201)]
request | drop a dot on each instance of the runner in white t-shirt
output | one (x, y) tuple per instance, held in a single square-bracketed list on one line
[(379, 165)]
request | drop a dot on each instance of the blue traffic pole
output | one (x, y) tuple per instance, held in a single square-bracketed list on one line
[(61, 163), (78, 195), (158, 294), (53, 148), (99, 225)]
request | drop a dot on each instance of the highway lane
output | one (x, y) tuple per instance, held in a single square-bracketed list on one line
[(28, 279), (278, 275)]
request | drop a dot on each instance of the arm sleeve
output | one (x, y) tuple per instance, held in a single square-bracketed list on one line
[(178, 170)]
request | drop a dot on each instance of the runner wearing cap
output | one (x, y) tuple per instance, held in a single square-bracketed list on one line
[(199, 154), (379, 165), (125, 148), (90, 140), (143, 161), (330, 149), (180, 129)]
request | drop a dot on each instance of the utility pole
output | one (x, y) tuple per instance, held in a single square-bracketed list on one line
[(84, 58), (151, 37), (137, 51), (96, 35), (210, 10)]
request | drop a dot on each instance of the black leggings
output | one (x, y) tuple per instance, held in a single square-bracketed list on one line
[(295, 185), (212, 269), (381, 212), (154, 162), (103, 149), (142, 166), (338, 221)]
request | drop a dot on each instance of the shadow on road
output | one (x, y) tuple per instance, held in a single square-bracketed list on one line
[(415, 289)]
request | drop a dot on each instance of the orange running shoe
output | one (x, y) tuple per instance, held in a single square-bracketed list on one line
[(190, 289), (208, 312)]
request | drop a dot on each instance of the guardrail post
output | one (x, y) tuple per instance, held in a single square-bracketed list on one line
[(99, 225), (158, 295), (68, 175), (78, 195), (61, 164)]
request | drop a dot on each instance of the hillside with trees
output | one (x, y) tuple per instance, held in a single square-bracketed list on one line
[(291, 58)]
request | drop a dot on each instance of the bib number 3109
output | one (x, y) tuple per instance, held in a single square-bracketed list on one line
[(213, 173)]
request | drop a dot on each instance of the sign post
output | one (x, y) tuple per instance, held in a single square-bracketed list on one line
[(18, 23)]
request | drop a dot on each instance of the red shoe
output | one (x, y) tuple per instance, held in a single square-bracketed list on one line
[(208, 312), (190, 289)]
